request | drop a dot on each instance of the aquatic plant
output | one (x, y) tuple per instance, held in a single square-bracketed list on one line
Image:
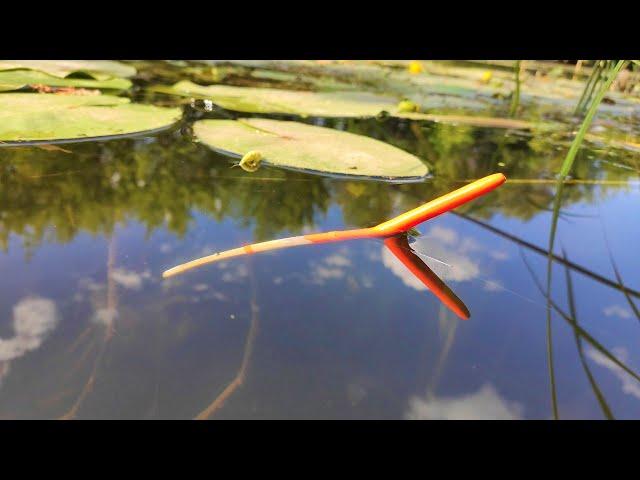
[(564, 171), (33, 117), (307, 147)]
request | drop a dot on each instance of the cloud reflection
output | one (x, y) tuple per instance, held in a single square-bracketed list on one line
[(617, 311), (443, 245), (129, 279), (629, 385), (484, 404), (332, 267), (34, 318)]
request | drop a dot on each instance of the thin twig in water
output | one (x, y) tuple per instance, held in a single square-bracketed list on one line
[(112, 304), (239, 379)]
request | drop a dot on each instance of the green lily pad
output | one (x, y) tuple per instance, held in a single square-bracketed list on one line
[(272, 100), (97, 69), (324, 104), (300, 146), (46, 117), (17, 79), (477, 121)]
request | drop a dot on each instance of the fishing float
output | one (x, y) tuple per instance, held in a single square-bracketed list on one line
[(395, 226)]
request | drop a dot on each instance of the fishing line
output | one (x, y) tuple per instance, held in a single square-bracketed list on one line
[(480, 278), (488, 281)]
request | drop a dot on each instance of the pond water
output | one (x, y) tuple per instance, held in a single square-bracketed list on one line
[(90, 329)]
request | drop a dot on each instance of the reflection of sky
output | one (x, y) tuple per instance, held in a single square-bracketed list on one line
[(345, 331), (629, 385), (449, 256), (34, 319), (484, 404)]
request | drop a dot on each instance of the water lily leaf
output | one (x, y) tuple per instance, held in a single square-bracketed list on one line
[(300, 146), (325, 104), (272, 100), (489, 122), (47, 117), (97, 69), (17, 79)]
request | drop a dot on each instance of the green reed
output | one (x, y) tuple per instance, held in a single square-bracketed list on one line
[(602, 88)]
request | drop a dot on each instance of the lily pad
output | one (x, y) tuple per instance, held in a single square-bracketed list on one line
[(46, 117), (273, 100), (324, 104), (300, 146), (17, 79), (476, 121), (97, 69)]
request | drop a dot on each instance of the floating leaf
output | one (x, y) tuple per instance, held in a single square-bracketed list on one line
[(97, 69), (300, 146), (46, 117), (490, 122), (324, 104), (17, 79), (273, 100)]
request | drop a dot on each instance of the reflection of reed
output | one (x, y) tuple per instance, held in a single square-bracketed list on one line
[(84, 354), (624, 289), (79, 340), (565, 169), (246, 357), (112, 305), (556, 258), (572, 322), (70, 216), (573, 311), (112, 298)]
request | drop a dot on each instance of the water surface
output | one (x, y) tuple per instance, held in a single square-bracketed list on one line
[(89, 328)]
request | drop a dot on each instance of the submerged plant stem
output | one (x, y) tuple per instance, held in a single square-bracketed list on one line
[(112, 305)]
